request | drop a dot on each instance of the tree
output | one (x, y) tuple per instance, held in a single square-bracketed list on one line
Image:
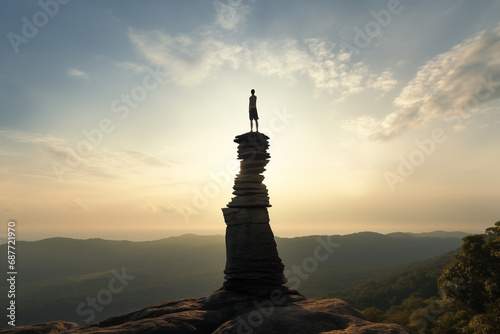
[(374, 314), (451, 322), (472, 283)]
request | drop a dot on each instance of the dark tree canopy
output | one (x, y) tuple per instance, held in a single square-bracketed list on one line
[(472, 284)]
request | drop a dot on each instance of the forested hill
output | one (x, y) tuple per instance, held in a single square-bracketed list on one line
[(457, 292), (420, 282), (57, 275)]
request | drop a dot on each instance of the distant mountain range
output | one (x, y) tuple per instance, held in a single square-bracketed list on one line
[(436, 234), (58, 278)]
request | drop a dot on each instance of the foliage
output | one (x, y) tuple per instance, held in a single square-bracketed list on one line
[(469, 293), (419, 282), (472, 281)]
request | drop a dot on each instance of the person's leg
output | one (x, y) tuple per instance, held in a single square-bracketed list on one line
[(257, 125), (251, 126)]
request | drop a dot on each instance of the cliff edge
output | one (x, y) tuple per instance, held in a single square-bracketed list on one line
[(230, 312)]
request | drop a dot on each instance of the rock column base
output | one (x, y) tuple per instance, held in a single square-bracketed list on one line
[(253, 264)]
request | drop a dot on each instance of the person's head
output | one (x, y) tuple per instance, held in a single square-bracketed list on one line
[(252, 91)]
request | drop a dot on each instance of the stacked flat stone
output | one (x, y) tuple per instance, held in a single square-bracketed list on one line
[(252, 261), (248, 188)]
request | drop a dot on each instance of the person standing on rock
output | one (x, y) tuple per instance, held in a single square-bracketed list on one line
[(252, 109)]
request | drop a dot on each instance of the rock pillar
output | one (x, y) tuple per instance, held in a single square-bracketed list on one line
[(253, 264)]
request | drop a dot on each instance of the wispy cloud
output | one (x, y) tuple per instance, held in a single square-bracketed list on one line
[(138, 68), (74, 203), (103, 162), (35, 138), (195, 57), (189, 60), (231, 14), (149, 159), (192, 59), (78, 74), (147, 206), (329, 68), (445, 85), (97, 162)]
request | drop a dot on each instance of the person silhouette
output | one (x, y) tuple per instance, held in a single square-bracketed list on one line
[(252, 109)]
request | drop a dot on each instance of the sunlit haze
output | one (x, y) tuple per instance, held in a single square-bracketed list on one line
[(117, 118)]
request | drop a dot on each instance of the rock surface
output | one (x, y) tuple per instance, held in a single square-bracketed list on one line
[(227, 312)]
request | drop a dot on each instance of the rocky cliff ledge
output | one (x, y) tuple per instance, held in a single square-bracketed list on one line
[(229, 312)]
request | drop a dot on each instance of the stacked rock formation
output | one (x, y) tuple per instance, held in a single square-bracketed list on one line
[(248, 188), (252, 261)]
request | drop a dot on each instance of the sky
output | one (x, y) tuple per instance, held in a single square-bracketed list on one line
[(117, 118)]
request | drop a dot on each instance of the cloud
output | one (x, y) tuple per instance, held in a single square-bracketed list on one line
[(36, 138), (74, 203), (452, 85), (189, 60), (3, 152), (138, 68), (103, 162), (170, 208), (86, 161), (149, 159), (330, 69), (231, 15), (147, 206), (192, 59), (78, 74), (143, 206), (385, 82)]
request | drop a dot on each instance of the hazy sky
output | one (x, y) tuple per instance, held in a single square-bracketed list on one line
[(117, 118)]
